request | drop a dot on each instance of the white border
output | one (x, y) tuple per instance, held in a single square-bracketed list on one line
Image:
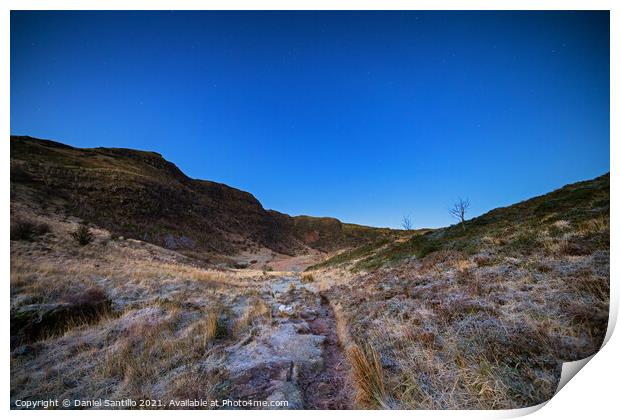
[(592, 395)]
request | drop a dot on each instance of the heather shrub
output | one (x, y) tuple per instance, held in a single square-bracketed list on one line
[(26, 230)]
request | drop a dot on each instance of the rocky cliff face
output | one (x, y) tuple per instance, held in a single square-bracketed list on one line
[(141, 195)]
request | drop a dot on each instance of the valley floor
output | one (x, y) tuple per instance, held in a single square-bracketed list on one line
[(120, 318), (125, 319)]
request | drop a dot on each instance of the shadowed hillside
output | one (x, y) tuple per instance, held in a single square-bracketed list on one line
[(140, 195)]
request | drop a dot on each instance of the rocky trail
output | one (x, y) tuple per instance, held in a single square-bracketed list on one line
[(298, 357), (328, 388)]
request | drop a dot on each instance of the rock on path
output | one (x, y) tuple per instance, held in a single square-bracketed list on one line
[(297, 358)]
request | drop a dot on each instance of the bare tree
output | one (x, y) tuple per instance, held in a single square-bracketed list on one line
[(459, 209), (406, 223)]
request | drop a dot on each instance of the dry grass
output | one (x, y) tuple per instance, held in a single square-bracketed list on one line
[(485, 331), (591, 285), (366, 369), (597, 225), (170, 319), (367, 375), (255, 312), (307, 278), (140, 359), (27, 230), (206, 330), (211, 327), (342, 331), (197, 385)]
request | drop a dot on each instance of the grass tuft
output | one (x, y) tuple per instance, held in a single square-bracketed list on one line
[(82, 235), (367, 377)]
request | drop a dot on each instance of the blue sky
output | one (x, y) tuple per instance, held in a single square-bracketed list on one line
[(364, 116)]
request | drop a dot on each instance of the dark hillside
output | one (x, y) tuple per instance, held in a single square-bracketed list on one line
[(141, 195)]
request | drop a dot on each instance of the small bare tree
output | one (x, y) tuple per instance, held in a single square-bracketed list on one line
[(406, 223), (459, 209)]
